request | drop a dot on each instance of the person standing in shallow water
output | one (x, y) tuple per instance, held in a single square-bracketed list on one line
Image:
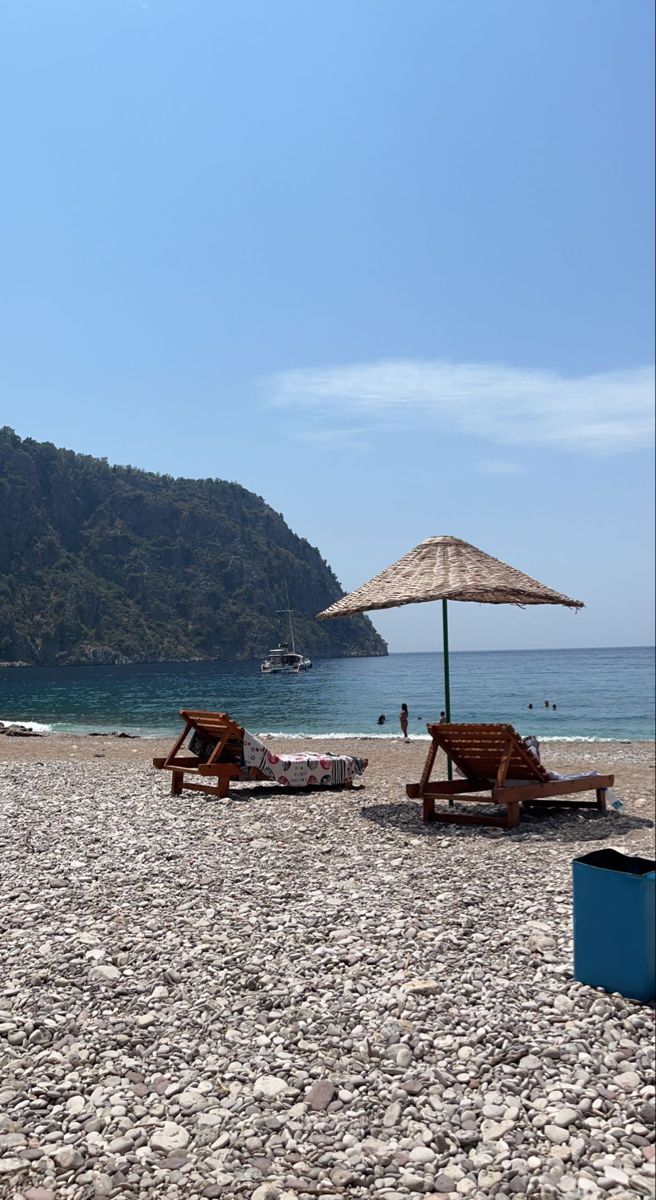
[(403, 718)]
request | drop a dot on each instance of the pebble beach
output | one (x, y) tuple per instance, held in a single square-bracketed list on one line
[(283, 996)]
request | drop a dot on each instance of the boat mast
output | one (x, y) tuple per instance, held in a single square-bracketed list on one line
[(289, 614)]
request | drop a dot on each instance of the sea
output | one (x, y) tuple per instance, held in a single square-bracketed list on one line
[(596, 695)]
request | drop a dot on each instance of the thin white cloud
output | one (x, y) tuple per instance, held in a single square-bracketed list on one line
[(604, 413)]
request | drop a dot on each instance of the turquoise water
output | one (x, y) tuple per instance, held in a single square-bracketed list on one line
[(598, 694)]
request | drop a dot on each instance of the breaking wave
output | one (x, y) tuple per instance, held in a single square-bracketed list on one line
[(35, 726)]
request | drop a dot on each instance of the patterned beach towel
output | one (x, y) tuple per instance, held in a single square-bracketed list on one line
[(298, 770)]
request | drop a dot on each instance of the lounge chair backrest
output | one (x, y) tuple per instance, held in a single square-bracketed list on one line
[(218, 728), (481, 751), (211, 724)]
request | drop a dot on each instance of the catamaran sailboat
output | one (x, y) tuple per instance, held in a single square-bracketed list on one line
[(282, 660)]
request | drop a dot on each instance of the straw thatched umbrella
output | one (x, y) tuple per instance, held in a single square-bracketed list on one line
[(446, 568)]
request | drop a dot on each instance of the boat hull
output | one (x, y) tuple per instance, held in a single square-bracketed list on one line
[(283, 661), (268, 670)]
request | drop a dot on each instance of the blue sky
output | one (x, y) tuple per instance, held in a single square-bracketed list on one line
[(389, 265)]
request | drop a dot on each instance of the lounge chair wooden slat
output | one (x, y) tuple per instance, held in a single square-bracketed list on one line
[(495, 760), (224, 762)]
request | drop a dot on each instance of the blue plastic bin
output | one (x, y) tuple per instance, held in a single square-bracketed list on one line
[(615, 923)]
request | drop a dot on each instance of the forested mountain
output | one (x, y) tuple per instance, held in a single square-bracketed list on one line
[(112, 564)]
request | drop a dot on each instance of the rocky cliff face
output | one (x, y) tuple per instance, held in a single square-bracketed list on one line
[(111, 564)]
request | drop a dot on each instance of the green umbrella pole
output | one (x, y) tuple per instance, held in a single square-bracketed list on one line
[(445, 640), (447, 682)]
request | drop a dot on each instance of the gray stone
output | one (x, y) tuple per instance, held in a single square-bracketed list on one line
[(11, 1165), (392, 1115), (169, 1137), (530, 1062), (321, 1094), (565, 1117), (12, 1141), (445, 1184), (103, 1184), (414, 1087), (491, 1131), (269, 1087), (556, 1134), (487, 1178), (105, 974), (375, 1146), (629, 1081), (191, 1099), (414, 1183), (422, 1154), (121, 1145), (145, 1020), (614, 1176), (420, 987), (67, 1158), (342, 1178)]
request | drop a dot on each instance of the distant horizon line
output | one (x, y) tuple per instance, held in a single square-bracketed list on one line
[(522, 650)]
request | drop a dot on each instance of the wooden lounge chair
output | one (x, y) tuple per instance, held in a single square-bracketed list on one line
[(224, 752), (494, 759)]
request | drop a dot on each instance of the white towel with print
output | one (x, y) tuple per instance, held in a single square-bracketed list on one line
[(298, 770)]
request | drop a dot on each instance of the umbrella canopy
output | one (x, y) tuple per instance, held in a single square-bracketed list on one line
[(446, 568)]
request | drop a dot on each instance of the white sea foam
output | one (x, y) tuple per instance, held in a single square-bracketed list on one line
[(297, 736), (35, 726), (341, 737), (581, 737), (416, 737)]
